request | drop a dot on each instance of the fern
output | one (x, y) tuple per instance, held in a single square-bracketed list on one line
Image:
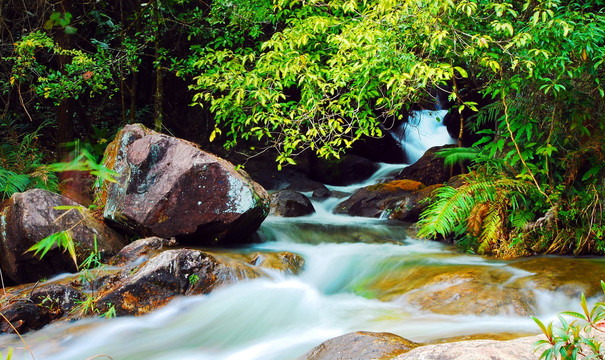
[(462, 211), (491, 229), (11, 182)]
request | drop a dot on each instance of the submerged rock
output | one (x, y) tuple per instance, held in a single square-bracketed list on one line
[(31, 216), (168, 187), (360, 345), (290, 203)]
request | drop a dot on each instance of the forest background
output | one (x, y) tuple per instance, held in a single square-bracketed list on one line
[(287, 77)]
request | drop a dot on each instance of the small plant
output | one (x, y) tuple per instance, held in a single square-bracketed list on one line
[(572, 340), (193, 279), (111, 311), (86, 306)]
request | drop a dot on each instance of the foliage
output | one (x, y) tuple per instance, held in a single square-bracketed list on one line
[(21, 162), (477, 213), (544, 128), (326, 80), (85, 72), (572, 340), (60, 239)]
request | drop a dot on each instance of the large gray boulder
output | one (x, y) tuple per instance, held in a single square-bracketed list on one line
[(30, 217), (168, 187)]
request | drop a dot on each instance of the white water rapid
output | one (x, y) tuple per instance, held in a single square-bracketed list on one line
[(423, 130), (353, 279)]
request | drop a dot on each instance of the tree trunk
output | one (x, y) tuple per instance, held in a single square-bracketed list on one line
[(159, 88), (65, 124)]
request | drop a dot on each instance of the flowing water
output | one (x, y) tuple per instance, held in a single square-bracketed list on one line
[(359, 274)]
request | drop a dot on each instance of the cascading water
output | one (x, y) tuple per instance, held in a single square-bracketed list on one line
[(359, 274), (423, 130)]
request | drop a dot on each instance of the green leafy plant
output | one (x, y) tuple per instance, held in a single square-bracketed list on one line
[(61, 239), (193, 279), (572, 340), (111, 311)]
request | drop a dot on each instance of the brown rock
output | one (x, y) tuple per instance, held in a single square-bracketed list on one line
[(360, 345), (169, 274), (59, 300), (140, 251), (372, 201), (517, 349), (410, 207), (290, 203), (168, 187), (31, 216), (23, 316), (429, 169)]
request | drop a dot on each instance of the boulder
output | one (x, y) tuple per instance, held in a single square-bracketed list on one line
[(30, 217), (374, 200), (349, 169), (429, 169), (517, 349), (290, 203), (140, 289), (140, 251), (58, 300), (410, 207), (23, 316), (168, 187), (360, 345)]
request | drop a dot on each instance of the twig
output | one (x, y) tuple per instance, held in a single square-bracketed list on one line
[(20, 337)]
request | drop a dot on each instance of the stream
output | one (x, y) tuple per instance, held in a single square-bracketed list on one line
[(359, 274)]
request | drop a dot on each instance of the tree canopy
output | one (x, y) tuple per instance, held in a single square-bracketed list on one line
[(318, 75)]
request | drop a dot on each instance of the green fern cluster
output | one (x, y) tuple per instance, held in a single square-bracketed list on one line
[(477, 213), (21, 163)]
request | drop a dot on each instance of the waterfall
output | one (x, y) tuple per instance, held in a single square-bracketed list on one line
[(423, 130)]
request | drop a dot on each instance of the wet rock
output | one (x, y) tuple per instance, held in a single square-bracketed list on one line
[(283, 261), (31, 216), (156, 282), (59, 300), (289, 203), (517, 349), (457, 289), (372, 201), (140, 251), (360, 345), (347, 170), (23, 316), (176, 272), (410, 207), (429, 169), (321, 193), (168, 187)]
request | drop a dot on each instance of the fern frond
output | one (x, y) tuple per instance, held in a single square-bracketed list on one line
[(450, 208), (492, 227), (458, 155), (11, 182)]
